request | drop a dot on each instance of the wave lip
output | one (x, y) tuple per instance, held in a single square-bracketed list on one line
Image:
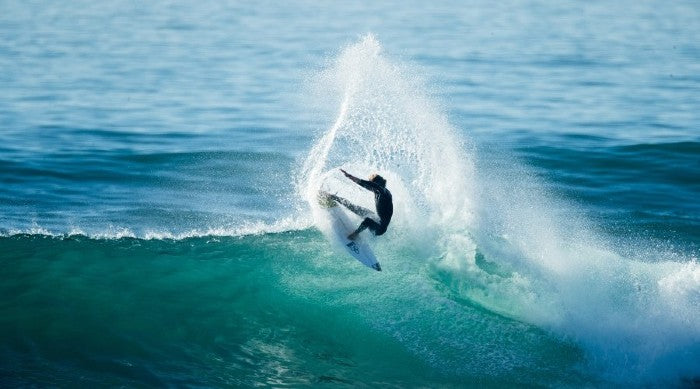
[(114, 233)]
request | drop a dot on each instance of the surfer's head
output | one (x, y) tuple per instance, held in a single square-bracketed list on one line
[(377, 179)]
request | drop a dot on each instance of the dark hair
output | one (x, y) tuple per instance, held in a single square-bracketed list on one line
[(377, 179)]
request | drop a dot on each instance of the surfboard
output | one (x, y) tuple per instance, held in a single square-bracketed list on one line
[(340, 226)]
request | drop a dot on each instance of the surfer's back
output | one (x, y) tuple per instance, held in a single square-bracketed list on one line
[(382, 200)]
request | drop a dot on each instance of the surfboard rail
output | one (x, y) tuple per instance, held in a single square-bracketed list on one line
[(340, 227)]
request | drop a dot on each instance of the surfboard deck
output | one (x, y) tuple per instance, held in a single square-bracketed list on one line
[(341, 226)]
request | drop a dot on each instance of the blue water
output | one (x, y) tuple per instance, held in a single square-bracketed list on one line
[(156, 161)]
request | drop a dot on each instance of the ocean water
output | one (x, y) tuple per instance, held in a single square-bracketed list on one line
[(158, 165)]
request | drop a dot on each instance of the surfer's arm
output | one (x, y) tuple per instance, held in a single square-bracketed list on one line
[(369, 185), (350, 176)]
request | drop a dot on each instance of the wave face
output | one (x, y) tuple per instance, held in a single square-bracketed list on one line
[(269, 309)]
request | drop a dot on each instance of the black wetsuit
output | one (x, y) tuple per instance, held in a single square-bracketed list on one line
[(384, 205)]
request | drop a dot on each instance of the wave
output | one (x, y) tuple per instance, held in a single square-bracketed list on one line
[(277, 306), (495, 235), (251, 228), (487, 274)]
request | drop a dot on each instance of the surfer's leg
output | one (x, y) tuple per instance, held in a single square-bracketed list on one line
[(367, 223), (356, 209)]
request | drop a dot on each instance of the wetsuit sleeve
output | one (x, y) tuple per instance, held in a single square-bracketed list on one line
[(369, 185)]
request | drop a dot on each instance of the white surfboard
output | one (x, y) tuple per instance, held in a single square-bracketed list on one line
[(340, 227)]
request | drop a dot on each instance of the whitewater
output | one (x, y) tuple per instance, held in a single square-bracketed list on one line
[(500, 241)]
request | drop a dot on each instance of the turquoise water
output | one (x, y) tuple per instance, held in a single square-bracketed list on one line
[(158, 164)]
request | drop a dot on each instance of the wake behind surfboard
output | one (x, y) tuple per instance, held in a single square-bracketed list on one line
[(339, 227)]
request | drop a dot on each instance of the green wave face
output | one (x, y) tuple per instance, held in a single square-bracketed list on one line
[(256, 310)]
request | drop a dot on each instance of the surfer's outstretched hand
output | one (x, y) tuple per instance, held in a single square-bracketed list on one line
[(348, 175)]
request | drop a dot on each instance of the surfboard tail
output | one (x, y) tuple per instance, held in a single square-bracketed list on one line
[(339, 226)]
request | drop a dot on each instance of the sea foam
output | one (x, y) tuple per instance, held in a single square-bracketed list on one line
[(506, 243)]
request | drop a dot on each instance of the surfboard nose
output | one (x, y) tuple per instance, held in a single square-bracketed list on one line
[(377, 267)]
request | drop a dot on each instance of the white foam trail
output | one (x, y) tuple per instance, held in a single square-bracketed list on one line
[(387, 124), (249, 228), (542, 262), (633, 308), (314, 168)]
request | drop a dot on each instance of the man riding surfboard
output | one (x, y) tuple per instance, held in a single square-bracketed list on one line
[(382, 201)]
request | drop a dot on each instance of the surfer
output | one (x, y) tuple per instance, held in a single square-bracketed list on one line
[(382, 201)]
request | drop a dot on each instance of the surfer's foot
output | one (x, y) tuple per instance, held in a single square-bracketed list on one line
[(325, 200), (322, 194), (352, 236)]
